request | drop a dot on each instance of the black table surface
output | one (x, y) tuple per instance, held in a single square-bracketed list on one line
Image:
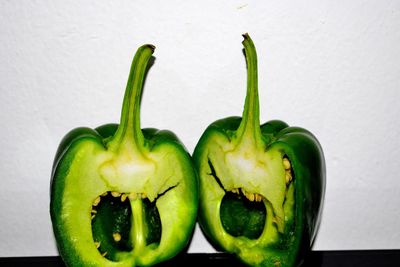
[(316, 258)]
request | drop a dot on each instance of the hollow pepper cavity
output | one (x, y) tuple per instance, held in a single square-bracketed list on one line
[(122, 195), (261, 186)]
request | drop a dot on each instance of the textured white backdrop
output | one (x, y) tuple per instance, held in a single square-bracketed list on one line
[(332, 67)]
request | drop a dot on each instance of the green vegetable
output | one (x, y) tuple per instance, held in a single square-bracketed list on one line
[(261, 187), (122, 196)]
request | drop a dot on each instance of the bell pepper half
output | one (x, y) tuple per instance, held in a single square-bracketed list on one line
[(122, 195), (261, 186)]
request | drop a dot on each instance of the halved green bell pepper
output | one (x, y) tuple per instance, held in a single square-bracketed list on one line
[(120, 195), (261, 187)]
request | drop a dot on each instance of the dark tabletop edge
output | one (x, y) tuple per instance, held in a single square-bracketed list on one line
[(318, 258)]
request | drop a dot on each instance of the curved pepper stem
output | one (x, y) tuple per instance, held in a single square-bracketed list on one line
[(129, 134), (249, 129)]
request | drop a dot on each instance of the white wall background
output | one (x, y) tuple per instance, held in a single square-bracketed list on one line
[(332, 67)]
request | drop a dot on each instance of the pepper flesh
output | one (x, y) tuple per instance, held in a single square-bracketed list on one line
[(242, 164), (122, 195)]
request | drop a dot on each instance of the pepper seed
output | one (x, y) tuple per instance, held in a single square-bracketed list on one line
[(286, 164), (115, 194), (96, 201), (117, 237), (132, 196), (251, 197), (288, 177)]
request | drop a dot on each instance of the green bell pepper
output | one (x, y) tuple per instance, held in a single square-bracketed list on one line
[(122, 195), (261, 186)]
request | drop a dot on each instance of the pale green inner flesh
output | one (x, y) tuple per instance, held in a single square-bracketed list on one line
[(143, 178), (256, 171), (117, 220), (259, 175)]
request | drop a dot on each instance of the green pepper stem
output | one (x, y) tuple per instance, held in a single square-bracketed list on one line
[(249, 129), (129, 134)]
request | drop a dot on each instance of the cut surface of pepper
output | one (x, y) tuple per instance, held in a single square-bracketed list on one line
[(261, 186), (122, 195)]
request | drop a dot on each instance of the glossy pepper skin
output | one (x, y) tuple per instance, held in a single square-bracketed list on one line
[(122, 195), (261, 186)]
